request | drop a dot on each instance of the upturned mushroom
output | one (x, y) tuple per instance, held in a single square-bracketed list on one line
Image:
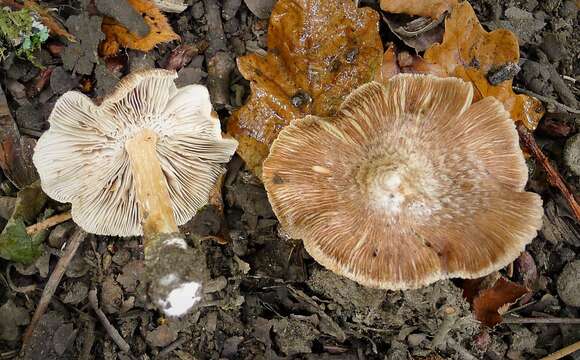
[(140, 163), (408, 184)]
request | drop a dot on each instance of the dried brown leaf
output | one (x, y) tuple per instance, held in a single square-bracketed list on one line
[(319, 51), (430, 8), (490, 304), (118, 36), (471, 53), (15, 150)]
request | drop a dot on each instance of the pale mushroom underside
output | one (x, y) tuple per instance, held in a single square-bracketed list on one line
[(81, 159), (408, 184)]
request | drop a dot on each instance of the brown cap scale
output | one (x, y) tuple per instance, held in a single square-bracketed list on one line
[(140, 163), (408, 184)]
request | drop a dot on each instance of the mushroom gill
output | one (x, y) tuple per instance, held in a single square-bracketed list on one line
[(409, 183)]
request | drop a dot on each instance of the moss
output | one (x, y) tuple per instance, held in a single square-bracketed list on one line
[(21, 32)]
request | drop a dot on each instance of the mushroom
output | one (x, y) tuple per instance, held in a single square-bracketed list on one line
[(408, 184), (140, 163)]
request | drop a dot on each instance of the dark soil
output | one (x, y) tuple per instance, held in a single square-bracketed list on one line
[(268, 299)]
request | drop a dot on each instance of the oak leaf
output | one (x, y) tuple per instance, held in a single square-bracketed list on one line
[(118, 36), (319, 51), (430, 8), (472, 54)]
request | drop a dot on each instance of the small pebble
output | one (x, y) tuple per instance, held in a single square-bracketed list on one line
[(415, 340), (572, 154), (569, 284), (162, 336)]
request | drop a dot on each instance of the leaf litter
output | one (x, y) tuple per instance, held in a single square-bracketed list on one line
[(305, 71), (117, 36), (362, 327)]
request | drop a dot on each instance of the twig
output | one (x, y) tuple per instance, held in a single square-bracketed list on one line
[(113, 333), (563, 352), (9, 354), (461, 351), (48, 223), (449, 319), (540, 320), (219, 62), (169, 349), (549, 100), (71, 248), (89, 337), (554, 177)]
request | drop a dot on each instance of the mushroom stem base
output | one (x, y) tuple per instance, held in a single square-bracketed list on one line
[(177, 274)]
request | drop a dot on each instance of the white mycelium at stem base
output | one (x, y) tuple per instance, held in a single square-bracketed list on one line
[(140, 163)]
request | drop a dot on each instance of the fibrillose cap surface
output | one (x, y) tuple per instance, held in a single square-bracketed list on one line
[(82, 159), (408, 184)]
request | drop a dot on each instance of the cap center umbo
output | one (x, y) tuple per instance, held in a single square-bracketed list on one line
[(394, 183)]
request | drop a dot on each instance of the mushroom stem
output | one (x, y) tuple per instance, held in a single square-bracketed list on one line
[(176, 272), (151, 185)]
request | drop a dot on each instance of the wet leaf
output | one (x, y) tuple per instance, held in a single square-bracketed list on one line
[(118, 36), (15, 243), (319, 51), (490, 304), (15, 151), (473, 54), (430, 8), (49, 21)]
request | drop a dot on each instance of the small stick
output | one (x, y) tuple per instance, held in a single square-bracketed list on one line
[(48, 223), (554, 177), (89, 338), (449, 319), (460, 350), (563, 352), (540, 320), (113, 333), (169, 349), (71, 248), (549, 100)]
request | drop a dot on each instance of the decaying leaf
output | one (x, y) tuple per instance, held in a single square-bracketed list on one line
[(49, 21), (118, 36), (430, 8), (491, 303), (473, 54), (319, 51), (420, 33), (395, 62), (15, 150), (15, 243)]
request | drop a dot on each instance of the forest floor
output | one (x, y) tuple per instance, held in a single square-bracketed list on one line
[(268, 299)]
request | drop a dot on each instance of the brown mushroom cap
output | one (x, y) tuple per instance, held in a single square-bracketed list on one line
[(82, 158), (408, 184)]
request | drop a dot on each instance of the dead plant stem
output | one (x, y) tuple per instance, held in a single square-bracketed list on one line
[(48, 223), (71, 248), (554, 177)]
